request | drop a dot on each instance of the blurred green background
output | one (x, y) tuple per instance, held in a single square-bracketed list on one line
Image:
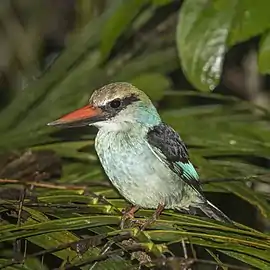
[(204, 63)]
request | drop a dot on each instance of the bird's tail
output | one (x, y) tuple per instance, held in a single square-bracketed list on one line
[(213, 212)]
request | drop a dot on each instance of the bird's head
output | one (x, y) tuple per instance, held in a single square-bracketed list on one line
[(115, 106)]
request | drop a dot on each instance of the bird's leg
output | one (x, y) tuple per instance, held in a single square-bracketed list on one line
[(128, 213), (155, 216)]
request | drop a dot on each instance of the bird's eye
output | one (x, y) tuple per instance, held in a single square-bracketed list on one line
[(115, 103)]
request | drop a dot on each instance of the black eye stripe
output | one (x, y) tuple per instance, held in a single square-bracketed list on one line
[(124, 102), (129, 99)]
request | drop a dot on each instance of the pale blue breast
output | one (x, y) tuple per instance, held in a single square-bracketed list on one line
[(135, 170)]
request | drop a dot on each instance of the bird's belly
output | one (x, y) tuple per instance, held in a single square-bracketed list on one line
[(140, 176)]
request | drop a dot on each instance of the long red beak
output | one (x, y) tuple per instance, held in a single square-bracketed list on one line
[(81, 117)]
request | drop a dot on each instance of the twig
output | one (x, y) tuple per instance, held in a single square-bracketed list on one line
[(21, 201), (42, 184), (18, 242), (193, 251), (54, 186), (184, 248)]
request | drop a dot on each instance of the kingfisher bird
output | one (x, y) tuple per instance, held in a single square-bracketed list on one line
[(144, 158)]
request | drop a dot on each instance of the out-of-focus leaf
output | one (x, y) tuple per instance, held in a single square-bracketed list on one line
[(118, 22), (28, 99), (249, 195), (80, 173), (75, 83), (202, 34), (264, 54), (161, 2), (154, 84), (71, 149), (160, 61), (250, 20)]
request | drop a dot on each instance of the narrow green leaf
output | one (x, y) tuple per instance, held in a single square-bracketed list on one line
[(58, 225), (263, 265), (118, 23)]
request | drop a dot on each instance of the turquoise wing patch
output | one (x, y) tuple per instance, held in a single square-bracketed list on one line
[(188, 171)]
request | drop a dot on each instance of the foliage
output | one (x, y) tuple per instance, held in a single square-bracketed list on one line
[(225, 135)]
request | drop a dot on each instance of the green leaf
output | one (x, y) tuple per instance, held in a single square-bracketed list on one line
[(202, 34), (118, 23), (251, 19), (205, 29), (264, 54)]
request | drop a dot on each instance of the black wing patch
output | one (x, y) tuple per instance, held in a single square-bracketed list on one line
[(174, 152)]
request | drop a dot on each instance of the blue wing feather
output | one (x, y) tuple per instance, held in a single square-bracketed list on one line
[(188, 170)]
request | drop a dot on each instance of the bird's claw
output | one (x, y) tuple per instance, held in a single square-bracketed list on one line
[(124, 218), (153, 219), (146, 223), (128, 214)]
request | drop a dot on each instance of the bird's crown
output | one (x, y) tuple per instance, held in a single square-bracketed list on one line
[(122, 91)]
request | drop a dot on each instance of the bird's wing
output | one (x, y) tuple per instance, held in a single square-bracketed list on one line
[(167, 145)]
